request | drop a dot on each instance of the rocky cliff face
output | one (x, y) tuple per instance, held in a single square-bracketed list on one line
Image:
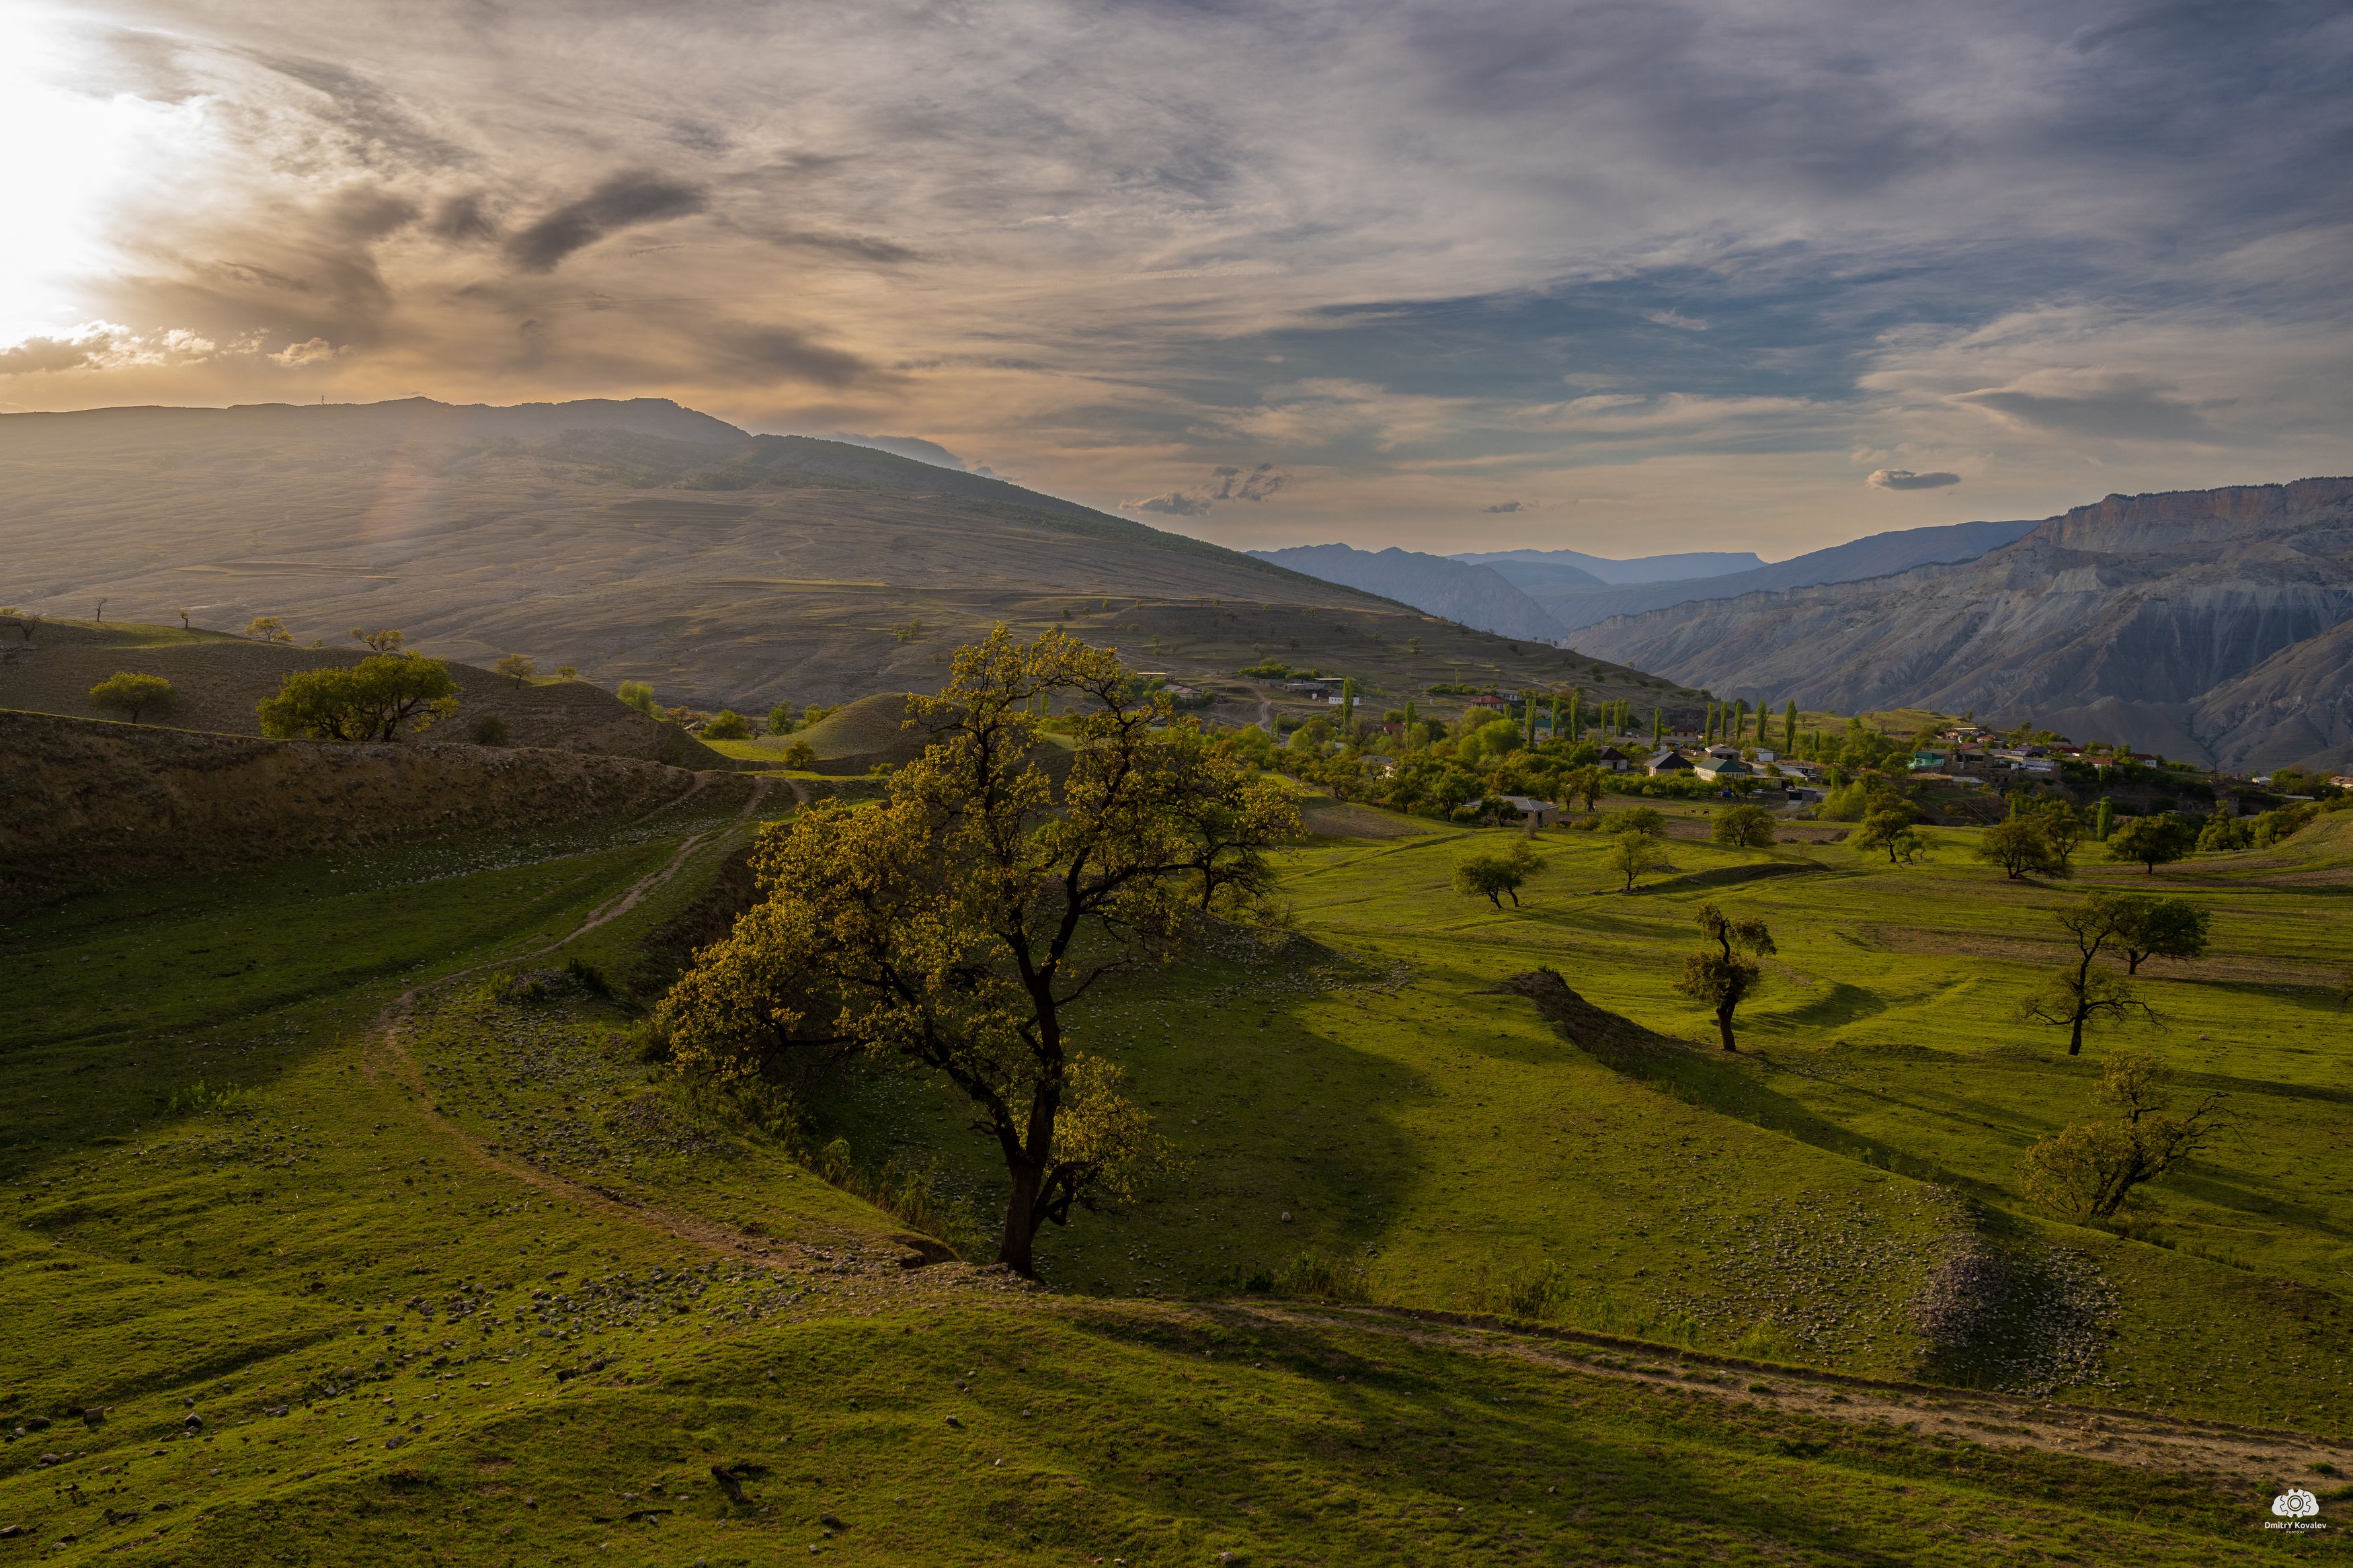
[(2204, 623)]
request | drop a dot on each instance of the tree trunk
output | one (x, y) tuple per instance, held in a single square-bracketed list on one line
[(2075, 1033), (1013, 1249), (1723, 1027)]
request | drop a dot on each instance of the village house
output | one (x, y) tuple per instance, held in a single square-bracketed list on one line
[(1526, 808), (1612, 759), (1716, 769), (1669, 761)]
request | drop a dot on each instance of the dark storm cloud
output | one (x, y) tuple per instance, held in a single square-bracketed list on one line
[(1905, 479), (621, 202)]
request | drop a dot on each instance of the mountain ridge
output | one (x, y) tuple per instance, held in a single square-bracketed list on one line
[(2144, 619)]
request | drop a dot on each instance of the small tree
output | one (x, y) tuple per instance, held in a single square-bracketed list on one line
[(1642, 820), (269, 629), (184, 619), (1745, 827), (1588, 784), (2088, 1170), (639, 696), (388, 639), (1631, 854), (2082, 993), (1888, 825), (567, 672), (727, 725), (517, 666), (1723, 979), (780, 719), (2020, 845), (2153, 841), (2159, 928), (1494, 875), (800, 754), (28, 621), (371, 700), (130, 694), (2104, 820)]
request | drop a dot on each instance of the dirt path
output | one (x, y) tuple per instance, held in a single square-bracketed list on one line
[(2114, 1437), (389, 1058)]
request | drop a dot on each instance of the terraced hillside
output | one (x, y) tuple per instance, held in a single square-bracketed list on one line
[(353, 1228)]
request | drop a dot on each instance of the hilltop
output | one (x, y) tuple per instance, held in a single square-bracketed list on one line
[(642, 540), (217, 679)]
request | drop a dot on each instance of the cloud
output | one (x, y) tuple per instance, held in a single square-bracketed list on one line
[(1676, 319), (107, 345), (1175, 503), (1226, 484), (763, 356), (35, 355), (621, 202), (1252, 484), (2118, 407), (317, 351), (913, 446), (1905, 479), (1502, 506)]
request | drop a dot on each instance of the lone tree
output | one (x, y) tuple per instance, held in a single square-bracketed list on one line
[(132, 694), (1745, 827), (1728, 977), (2022, 844), (370, 701), (1633, 854), (2153, 841), (2081, 993), (727, 725), (386, 640), (269, 629), (1888, 825), (639, 695), (2086, 1170), (1492, 875), (518, 667), (28, 621), (956, 922), (2159, 928)]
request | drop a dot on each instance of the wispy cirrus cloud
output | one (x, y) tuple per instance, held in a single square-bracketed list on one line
[(1709, 262)]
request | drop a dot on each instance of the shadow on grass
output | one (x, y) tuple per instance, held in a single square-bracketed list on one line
[(1729, 1084)]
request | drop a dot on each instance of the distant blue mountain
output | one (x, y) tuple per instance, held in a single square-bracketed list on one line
[(1533, 568)]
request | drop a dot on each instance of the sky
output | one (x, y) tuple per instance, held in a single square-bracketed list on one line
[(1624, 276)]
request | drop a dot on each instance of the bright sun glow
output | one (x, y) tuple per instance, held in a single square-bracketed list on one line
[(70, 158)]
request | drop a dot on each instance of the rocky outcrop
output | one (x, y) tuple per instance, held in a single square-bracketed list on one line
[(2181, 619)]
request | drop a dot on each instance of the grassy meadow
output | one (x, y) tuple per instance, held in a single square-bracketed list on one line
[(346, 1226)]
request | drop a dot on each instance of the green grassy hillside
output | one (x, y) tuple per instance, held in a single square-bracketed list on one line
[(217, 679), (347, 1226)]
